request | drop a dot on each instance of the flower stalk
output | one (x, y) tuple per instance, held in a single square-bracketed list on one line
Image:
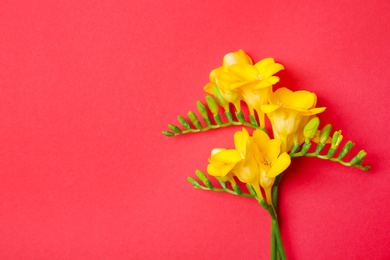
[(259, 160)]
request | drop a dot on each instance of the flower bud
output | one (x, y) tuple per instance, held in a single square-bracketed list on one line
[(310, 129), (183, 122), (194, 119), (202, 109), (347, 147), (212, 104), (336, 139), (167, 133), (358, 158), (194, 182), (220, 98), (325, 132), (174, 128), (204, 179)]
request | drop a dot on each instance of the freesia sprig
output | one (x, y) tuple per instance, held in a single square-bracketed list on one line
[(258, 160)]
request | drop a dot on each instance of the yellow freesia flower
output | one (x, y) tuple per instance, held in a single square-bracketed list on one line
[(222, 160), (255, 82), (272, 163), (256, 160), (239, 79), (221, 79), (288, 112)]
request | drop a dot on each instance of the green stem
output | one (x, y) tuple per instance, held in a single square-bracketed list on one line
[(274, 251), (275, 227)]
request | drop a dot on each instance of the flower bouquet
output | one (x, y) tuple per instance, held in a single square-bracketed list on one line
[(259, 159)]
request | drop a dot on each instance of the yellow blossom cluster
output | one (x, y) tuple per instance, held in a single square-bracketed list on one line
[(258, 159)]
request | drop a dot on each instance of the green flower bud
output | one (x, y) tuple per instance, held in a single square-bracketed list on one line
[(204, 179), (251, 190), (194, 119), (223, 184), (347, 147), (240, 116), (310, 129), (174, 128), (336, 139), (183, 122), (325, 132), (194, 182), (358, 158), (236, 188), (167, 133), (202, 109), (253, 120), (229, 116), (212, 104), (220, 98)]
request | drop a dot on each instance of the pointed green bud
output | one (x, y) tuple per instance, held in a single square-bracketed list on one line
[(305, 148), (174, 128), (253, 120), (331, 152), (294, 148), (358, 158), (236, 188), (220, 98), (223, 184), (325, 132), (167, 133), (202, 109), (218, 119), (212, 104), (310, 129), (204, 179), (319, 148), (194, 182), (240, 116), (336, 139), (251, 190), (183, 122), (347, 147), (194, 119), (229, 116)]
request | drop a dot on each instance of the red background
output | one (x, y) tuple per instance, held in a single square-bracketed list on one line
[(88, 86)]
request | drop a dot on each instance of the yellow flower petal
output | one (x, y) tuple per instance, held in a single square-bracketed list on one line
[(263, 84), (219, 170), (279, 165), (317, 110), (271, 69), (260, 136), (244, 72), (302, 99), (269, 108), (208, 88), (239, 57), (261, 65), (271, 149), (228, 156), (247, 172), (240, 141)]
